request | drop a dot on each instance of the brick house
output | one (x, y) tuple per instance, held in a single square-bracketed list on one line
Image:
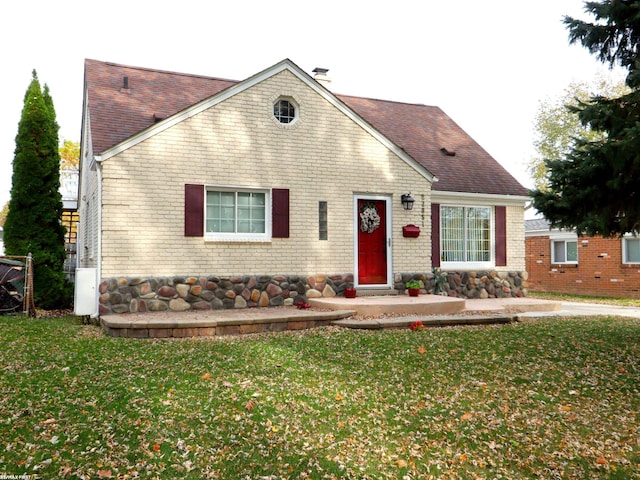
[(560, 261), (199, 193)]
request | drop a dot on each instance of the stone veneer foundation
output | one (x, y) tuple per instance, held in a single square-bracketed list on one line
[(199, 293)]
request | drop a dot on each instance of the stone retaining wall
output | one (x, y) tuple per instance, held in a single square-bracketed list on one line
[(481, 284), (182, 293)]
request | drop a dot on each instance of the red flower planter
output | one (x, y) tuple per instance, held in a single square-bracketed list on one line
[(350, 292)]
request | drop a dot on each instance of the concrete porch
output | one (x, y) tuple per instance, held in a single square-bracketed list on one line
[(403, 305)]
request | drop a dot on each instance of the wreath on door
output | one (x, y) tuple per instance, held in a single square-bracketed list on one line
[(369, 218)]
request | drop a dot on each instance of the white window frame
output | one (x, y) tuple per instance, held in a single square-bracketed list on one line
[(564, 238), (625, 239), (296, 113), (468, 265), (236, 236)]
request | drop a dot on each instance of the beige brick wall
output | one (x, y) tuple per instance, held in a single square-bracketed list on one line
[(516, 257), (325, 156)]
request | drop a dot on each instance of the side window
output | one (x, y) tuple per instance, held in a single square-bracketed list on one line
[(631, 250), (564, 251)]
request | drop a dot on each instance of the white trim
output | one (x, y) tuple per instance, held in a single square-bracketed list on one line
[(98, 239), (239, 87), (474, 199), (560, 235), (356, 225)]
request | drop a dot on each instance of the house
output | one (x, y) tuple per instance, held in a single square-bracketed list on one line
[(69, 192), (561, 261), (204, 193)]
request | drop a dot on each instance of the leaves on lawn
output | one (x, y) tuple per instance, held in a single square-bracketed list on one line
[(542, 399)]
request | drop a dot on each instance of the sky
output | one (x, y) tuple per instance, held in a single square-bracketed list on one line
[(487, 64)]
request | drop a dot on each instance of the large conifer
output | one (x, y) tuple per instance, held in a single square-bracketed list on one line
[(596, 188), (33, 224)]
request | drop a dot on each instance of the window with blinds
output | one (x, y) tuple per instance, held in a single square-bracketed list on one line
[(465, 234)]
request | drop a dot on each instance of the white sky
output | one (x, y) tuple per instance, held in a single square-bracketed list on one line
[(487, 63)]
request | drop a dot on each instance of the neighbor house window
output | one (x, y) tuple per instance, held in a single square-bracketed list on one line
[(631, 250), (241, 214), (285, 110), (465, 236), (564, 251)]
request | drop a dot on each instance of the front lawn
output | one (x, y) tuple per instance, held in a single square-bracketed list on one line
[(553, 398)]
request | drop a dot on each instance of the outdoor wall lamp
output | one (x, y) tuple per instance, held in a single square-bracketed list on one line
[(407, 201)]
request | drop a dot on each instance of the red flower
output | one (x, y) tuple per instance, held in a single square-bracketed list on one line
[(416, 326)]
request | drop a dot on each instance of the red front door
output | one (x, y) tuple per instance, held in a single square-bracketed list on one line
[(372, 242)]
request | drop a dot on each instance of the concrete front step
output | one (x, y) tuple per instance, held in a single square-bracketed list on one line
[(372, 306), (376, 292)]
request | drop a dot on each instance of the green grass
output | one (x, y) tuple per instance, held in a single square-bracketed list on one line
[(553, 398), (566, 297)]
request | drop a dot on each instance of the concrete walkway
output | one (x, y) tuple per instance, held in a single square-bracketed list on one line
[(573, 309)]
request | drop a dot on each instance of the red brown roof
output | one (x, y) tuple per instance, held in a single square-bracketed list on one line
[(117, 113)]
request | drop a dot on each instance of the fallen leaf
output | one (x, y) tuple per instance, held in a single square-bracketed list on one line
[(156, 447), (505, 409), (601, 460), (339, 397), (250, 404), (422, 350), (49, 421), (206, 376), (104, 474), (65, 471), (402, 463), (466, 416), (565, 408)]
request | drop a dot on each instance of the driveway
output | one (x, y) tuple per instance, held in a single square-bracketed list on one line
[(580, 309)]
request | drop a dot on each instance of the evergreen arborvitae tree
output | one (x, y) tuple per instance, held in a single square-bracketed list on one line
[(33, 224), (596, 188)]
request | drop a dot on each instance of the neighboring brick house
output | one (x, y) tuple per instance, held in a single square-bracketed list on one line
[(199, 193), (560, 261)]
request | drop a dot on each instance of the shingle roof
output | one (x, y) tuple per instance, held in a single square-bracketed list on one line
[(117, 113), (536, 224)]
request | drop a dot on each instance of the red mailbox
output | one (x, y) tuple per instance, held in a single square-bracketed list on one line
[(411, 231)]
